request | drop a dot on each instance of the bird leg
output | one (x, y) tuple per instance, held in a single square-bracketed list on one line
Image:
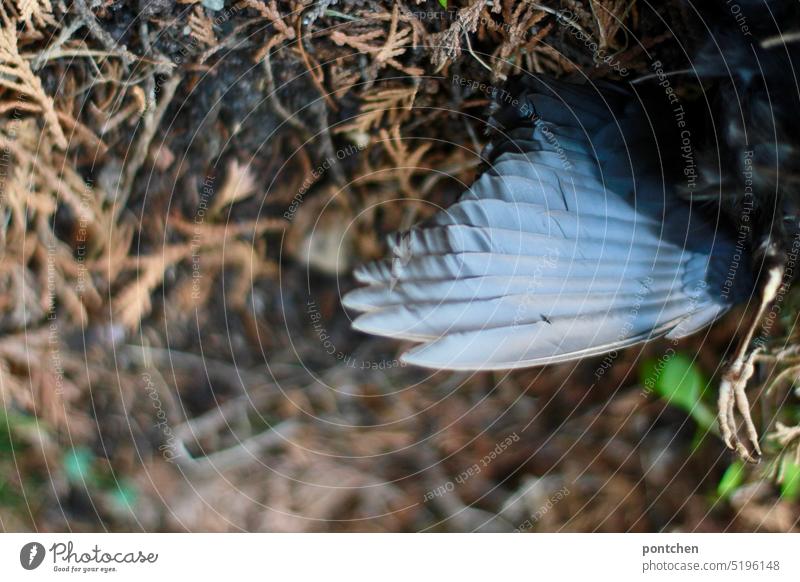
[(732, 396)]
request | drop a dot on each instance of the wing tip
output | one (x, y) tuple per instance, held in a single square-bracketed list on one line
[(356, 301)]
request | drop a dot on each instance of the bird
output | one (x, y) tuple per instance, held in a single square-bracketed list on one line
[(608, 214)]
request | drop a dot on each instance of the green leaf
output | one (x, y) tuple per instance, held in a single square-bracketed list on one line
[(443, 3), (124, 497), (78, 465), (11, 424), (790, 485), (731, 480), (681, 383)]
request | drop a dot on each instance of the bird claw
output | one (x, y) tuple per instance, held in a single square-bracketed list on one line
[(732, 398)]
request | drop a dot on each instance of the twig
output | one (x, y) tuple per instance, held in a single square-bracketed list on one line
[(342, 15), (151, 122), (277, 106), (100, 34), (232, 39), (790, 373), (40, 58), (312, 70), (780, 39), (786, 436), (560, 16), (326, 146), (477, 58), (63, 36), (243, 454)]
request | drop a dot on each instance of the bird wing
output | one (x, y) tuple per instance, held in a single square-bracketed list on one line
[(570, 244)]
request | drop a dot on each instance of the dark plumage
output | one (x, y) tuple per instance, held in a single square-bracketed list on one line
[(607, 215), (571, 243)]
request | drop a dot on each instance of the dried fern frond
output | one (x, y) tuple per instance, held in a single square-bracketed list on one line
[(35, 13), (610, 17), (201, 28), (448, 43), (16, 75), (398, 40), (281, 29), (405, 162), (133, 302), (518, 42), (36, 263), (392, 103), (342, 78)]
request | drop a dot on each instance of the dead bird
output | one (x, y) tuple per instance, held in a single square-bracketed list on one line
[(609, 215)]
